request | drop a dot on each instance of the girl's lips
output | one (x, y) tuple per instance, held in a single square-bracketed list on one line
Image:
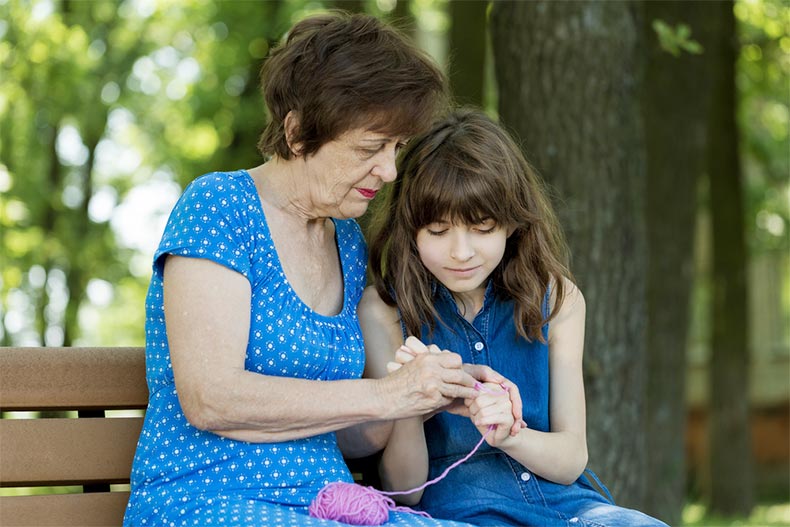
[(464, 271), (369, 193)]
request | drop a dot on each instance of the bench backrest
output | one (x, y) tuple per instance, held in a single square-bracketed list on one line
[(93, 450)]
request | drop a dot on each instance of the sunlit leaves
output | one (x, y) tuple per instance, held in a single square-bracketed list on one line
[(764, 118), (676, 40)]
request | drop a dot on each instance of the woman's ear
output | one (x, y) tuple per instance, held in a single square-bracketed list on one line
[(291, 125)]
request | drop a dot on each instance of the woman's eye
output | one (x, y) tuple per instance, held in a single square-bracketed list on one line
[(368, 152)]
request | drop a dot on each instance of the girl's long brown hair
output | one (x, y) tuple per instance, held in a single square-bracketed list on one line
[(465, 169)]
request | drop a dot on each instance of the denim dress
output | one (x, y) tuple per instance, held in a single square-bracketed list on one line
[(491, 488)]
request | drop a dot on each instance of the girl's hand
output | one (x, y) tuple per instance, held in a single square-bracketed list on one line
[(492, 407), (408, 351), (486, 375)]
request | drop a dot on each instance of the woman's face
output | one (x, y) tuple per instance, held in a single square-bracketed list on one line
[(345, 174)]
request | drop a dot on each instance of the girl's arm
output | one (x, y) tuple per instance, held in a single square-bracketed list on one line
[(404, 461), (559, 455), (207, 310)]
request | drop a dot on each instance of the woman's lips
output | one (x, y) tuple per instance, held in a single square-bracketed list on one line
[(368, 193)]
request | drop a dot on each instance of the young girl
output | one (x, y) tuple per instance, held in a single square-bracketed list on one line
[(470, 258)]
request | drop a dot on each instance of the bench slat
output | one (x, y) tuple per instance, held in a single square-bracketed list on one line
[(89, 510), (72, 378), (67, 451)]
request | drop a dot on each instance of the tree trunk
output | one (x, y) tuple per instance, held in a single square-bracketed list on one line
[(568, 75), (675, 104), (730, 463), (468, 50)]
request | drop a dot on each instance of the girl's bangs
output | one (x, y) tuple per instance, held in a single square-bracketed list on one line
[(451, 193)]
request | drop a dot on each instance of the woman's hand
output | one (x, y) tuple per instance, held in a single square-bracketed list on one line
[(492, 407), (414, 347), (428, 381), (406, 353)]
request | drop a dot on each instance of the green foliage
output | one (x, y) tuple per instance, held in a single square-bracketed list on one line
[(676, 39), (107, 109), (765, 515), (764, 120)]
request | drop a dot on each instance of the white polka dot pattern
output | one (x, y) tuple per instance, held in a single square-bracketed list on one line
[(185, 476)]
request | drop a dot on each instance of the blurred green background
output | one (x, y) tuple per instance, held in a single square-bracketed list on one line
[(109, 108)]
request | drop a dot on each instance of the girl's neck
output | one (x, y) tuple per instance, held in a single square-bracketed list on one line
[(470, 303)]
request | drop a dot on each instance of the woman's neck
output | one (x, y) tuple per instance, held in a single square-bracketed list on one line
[(282, 195)]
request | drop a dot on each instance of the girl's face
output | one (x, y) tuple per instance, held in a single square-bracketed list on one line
[(462, 256)]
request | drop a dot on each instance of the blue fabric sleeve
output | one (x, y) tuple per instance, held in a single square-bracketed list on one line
[(211, 221)]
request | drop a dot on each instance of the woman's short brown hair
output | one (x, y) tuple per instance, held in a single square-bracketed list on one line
[(337, 71)]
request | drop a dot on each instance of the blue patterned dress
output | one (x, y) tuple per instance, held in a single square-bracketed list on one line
[(185, 476)]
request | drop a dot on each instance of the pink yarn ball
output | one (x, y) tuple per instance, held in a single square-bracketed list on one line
[(351, 503)]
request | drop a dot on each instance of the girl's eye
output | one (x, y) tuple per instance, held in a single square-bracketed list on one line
[(436, 229), (486, 226)]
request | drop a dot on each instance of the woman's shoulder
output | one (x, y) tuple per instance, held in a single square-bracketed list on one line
[(216, 184)]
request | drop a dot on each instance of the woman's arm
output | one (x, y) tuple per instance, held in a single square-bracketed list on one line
[(559, 455), (404, 461), (207, 311)]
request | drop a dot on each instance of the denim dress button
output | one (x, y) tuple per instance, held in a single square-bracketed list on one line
[(574, 519), (525, 476), (479, 346)]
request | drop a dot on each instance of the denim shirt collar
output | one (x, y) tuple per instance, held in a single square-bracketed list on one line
[(443, 294)]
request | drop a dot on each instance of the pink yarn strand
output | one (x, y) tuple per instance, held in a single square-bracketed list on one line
[(446, 471), (357, 505)]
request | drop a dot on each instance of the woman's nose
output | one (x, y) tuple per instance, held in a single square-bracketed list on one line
[(385, 168)]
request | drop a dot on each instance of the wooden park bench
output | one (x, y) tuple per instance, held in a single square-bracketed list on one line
[(93, 451), (91, 448)]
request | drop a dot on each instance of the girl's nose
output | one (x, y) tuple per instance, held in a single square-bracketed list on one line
[(462, 250)]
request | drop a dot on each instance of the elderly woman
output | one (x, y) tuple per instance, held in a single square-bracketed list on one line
[(253, 346)]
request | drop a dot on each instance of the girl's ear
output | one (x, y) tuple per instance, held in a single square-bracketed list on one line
[(291, 125), (510, 230)]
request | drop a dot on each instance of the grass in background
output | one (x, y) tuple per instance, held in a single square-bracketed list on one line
[(765, 515)]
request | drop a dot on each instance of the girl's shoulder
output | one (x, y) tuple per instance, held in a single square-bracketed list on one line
[(381, 330), (566, 330), (374, 309), (571, 294)]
